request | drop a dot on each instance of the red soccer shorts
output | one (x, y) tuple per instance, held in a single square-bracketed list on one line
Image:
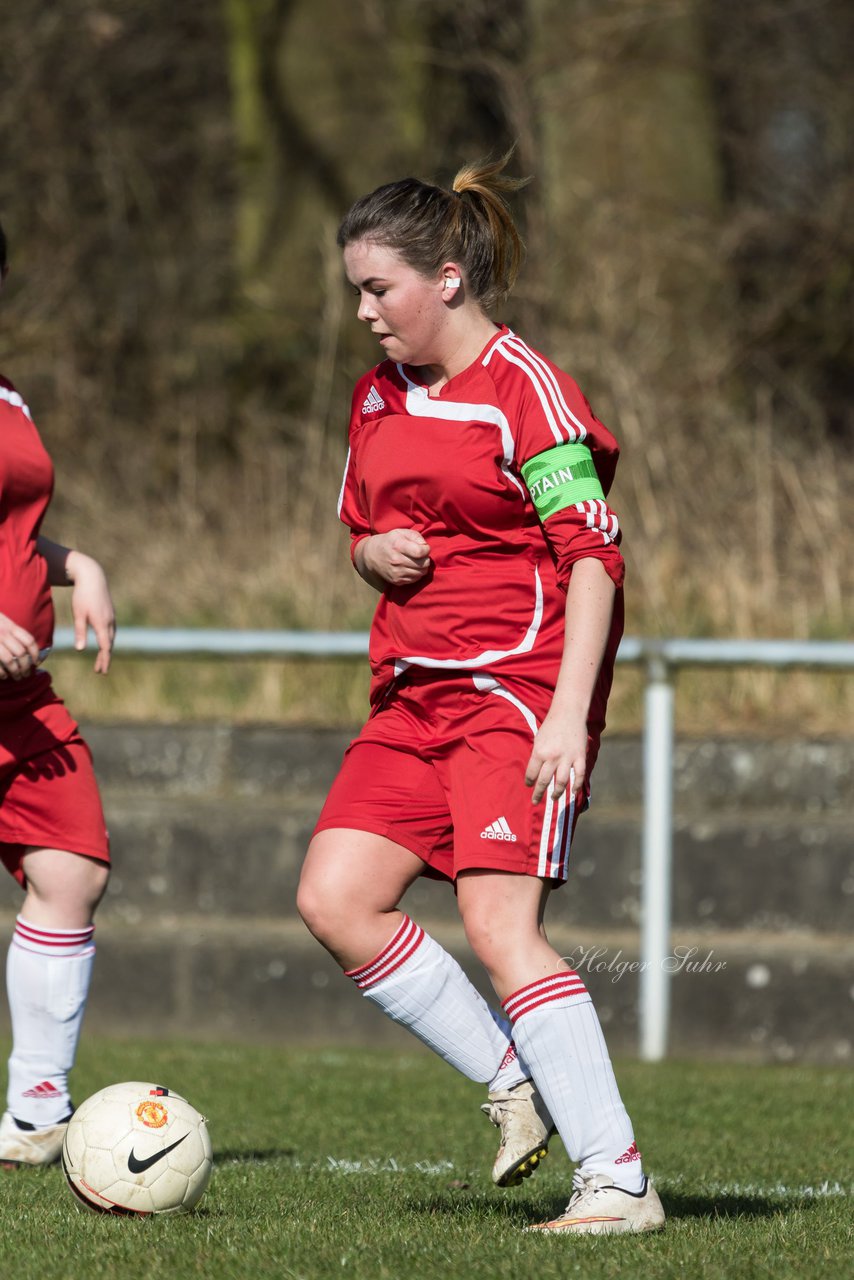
[(440, 769), (48, 794)]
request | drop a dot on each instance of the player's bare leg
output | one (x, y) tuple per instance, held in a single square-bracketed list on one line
[(63, 889), (350, 887)]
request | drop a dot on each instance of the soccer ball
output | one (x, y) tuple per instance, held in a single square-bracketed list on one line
[(135, 1149)]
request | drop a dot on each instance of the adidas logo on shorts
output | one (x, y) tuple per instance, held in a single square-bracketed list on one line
[(498, 830), (373, 401)]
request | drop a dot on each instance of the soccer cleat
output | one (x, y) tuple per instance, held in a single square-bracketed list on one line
[(526, 1127), (28, 1145), (598, 1208)]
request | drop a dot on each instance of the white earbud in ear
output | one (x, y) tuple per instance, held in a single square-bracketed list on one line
[(453, 282)]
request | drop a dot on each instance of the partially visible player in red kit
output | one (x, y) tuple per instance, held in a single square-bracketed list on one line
[(475, 492), (52, 834)]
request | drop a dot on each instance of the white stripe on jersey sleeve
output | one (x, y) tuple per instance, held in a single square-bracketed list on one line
[(562, 421), (600, 518)]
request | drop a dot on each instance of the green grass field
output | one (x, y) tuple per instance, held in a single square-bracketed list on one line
[(352, 1163)]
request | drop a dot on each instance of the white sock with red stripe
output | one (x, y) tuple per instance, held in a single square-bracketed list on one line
[(557, 1030), (416, 983), (47, 978)]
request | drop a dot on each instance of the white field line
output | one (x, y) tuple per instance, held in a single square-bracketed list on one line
[(763, 1191), (388, 1165), (441, 1168)]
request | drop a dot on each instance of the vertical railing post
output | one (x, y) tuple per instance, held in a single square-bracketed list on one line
[(656, 859)]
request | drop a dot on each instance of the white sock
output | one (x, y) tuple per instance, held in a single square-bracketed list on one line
[(557, 1030), (416, 983), (47, 978)]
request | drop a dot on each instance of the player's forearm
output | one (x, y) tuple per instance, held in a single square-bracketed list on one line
[(65, 566), (372, 578), (589, 609)]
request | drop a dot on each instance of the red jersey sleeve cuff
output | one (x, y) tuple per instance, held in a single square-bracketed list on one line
[(609, 556)]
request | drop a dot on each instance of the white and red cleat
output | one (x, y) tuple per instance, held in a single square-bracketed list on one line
[(598, 1208), (29, 1145), (526, 1127)]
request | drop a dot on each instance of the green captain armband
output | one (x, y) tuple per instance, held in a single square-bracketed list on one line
[(560, 477)]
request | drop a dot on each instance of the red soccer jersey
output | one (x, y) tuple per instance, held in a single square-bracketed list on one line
[(488, 471), (26, 486)]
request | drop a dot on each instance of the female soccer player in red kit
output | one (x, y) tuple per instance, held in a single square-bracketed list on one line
[(475, 493), (52, 834)]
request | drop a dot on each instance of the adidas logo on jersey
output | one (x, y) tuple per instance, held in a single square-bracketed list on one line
[(498, 830), (373, 402)]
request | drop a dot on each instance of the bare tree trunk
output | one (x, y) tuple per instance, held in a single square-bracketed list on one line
[(277, 154)]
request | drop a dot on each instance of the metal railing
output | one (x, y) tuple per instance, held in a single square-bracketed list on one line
[(661, 660)]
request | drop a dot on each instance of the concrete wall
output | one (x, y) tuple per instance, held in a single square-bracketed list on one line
[(209, 825)]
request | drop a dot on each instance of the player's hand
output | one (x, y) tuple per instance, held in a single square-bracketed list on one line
[(19, 653), (559, 758), (399, 557), (91, 606)]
